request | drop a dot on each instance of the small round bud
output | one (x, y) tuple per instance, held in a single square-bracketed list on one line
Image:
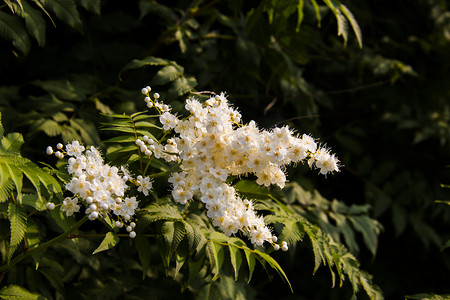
[(118, 224), (165, 107), (285, 248), (139, 177), (143, 148), (147, 99), (138, 142), (104, 206), (145, 138), (274, 239), (50, 206), (118, 200), (150, 104), (127, 217), (283, 243), (49, 150), (59, 154), (129, 228), (93, 215), (59, 146), (125, 178), (89, 200), (148, 152), (276, 247), (132, 234), (156, 95), (148, 88), (144, 91), (93, 207), (132, 224)]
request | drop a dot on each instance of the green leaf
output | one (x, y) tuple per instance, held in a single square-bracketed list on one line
[(6, 186), (34, 22), (369, 229), (66, 11), (16, 176), (62, 220), (12, 29), (218, 255), (121, 139), (33, 201), (317, 10), (18, 222), (12, 292), (236, 259), (181, 86), (143, 248), (348, 14), (167, 74), (11, 143), (110, 240), (292, 232), (148, 61), (2, 130), (300, 6), (251, 262)]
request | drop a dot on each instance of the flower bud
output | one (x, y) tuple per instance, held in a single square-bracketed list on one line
[(132, 234), (49, 150), (50, 206), (59, 146), (93, 215)]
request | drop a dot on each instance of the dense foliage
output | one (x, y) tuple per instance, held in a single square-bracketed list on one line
[(369, 78)]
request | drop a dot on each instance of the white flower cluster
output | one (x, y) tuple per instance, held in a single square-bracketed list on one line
[(212, 144), (100, 186)]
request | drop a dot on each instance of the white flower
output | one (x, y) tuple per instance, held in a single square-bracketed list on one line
[(145, 184), (70, 206), (74, 149)]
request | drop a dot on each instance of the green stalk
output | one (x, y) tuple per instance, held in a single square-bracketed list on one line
[(23, 255)]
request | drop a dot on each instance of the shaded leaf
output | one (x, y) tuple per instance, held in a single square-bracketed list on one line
[(12, 29), (110, 240)]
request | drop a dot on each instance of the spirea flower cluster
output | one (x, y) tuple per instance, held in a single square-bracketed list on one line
[(99, 186), (212, 144)]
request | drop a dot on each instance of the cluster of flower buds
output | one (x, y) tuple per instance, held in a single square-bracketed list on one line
[(100, 187)]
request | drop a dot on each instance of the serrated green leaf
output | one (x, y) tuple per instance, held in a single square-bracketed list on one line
[(12, 29), (167, 74), (66, 11), (251, 262), (218, 255), (6, 186), (33, 200), (11, 143), (181, 86), (18, 223), (236, 259), (143, 248), (148, 61), (369, 229), (17, 177), (34, 22), (121, 139), (348, 14), (110, 240), (146, 124), (292, 232), (12, 292), (300, 5)]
